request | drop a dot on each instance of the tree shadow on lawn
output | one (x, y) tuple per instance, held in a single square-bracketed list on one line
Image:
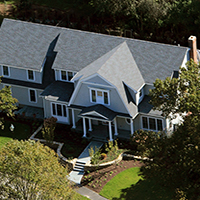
[(148, 189)]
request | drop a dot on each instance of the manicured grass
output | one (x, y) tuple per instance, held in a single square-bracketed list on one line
[(129, 185), (80, 197), (4, 140)]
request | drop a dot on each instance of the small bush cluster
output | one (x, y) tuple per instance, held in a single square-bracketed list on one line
[(106, 154)]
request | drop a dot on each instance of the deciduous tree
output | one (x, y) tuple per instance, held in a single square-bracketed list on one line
[(30, 170), (178, 95)]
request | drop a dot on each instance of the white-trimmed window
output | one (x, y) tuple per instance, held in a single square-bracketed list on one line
[(5, 70), (141, 95), (99, 96), (30, 75), (66, 75), (32, 96), (150, 123), (59, 110)]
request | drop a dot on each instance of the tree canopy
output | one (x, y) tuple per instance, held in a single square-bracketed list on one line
[(178, 95), (30, 170), (175, 159), (7, 102)]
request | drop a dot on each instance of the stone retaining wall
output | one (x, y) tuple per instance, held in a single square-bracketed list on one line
[(69, 163), (90, 167)]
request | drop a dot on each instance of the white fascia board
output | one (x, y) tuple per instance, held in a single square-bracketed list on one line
[(20, 67), (141, 87), (153, 115), (94, 112)]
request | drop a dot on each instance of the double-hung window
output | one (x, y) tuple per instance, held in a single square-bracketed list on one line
[(99, 96), (59, 110), (32, 96), (5, 70), (31, 75), (66, 75), (151, 123)]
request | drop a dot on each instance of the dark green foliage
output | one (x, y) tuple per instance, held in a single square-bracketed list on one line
[(180, 95), (49, 128)]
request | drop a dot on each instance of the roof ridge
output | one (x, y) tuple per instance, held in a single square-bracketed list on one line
[(76, 30)]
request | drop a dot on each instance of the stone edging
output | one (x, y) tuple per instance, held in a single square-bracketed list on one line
[(90, 167), (70, 163), (129, 156)]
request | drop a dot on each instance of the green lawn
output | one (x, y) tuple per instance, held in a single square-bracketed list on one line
[(128, 185), (21, 131), (4, 140)]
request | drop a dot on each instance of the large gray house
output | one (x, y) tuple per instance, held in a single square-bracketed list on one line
[(88, 78)]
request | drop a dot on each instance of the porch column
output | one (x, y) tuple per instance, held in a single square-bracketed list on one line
[(110, 131), (73, 119), (84, 127), (115, 123), (90, 125), (132, 128)]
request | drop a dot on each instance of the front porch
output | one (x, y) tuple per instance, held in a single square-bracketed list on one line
[(101, 132)]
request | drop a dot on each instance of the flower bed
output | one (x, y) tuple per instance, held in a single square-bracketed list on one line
[(91, 167)]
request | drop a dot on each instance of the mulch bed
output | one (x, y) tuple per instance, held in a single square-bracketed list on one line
[(97, 179)]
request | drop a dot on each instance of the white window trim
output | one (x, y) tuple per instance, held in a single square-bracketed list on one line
[(101, 90), (8, 71), (67, 110), (60, 75), (142, 96), (28, 76), (29, 94), (148, 123)]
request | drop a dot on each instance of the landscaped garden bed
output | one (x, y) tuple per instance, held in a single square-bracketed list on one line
[(74, 144), (97, 179)]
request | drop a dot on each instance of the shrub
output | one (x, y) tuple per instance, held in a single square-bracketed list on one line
[(48, 130)]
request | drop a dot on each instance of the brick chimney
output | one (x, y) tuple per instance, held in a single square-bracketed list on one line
[(192, 42)]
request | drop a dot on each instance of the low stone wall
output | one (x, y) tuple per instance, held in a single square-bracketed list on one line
[(90, 167), (69, 163), (132, 157)]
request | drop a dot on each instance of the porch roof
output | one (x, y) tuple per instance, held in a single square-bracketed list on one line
[(60, 90), (98, 111)]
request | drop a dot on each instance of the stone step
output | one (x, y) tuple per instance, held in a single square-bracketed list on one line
[(78, 170), (80, 162), (78, 167)]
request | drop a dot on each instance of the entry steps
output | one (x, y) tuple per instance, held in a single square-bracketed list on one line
[(79, 166)]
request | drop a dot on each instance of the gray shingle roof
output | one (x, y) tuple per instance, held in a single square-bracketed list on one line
[(25, 44), (62, 91), (147, 108)]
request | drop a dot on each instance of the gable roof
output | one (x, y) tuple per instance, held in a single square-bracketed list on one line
[(25, 44), (101, 111)]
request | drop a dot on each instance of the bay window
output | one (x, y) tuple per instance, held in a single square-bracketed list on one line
[(151, 123)]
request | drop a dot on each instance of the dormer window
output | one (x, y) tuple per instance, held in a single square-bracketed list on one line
[(6, 71), (30, 75), (141, 95), (99, 96), (66, 75)]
